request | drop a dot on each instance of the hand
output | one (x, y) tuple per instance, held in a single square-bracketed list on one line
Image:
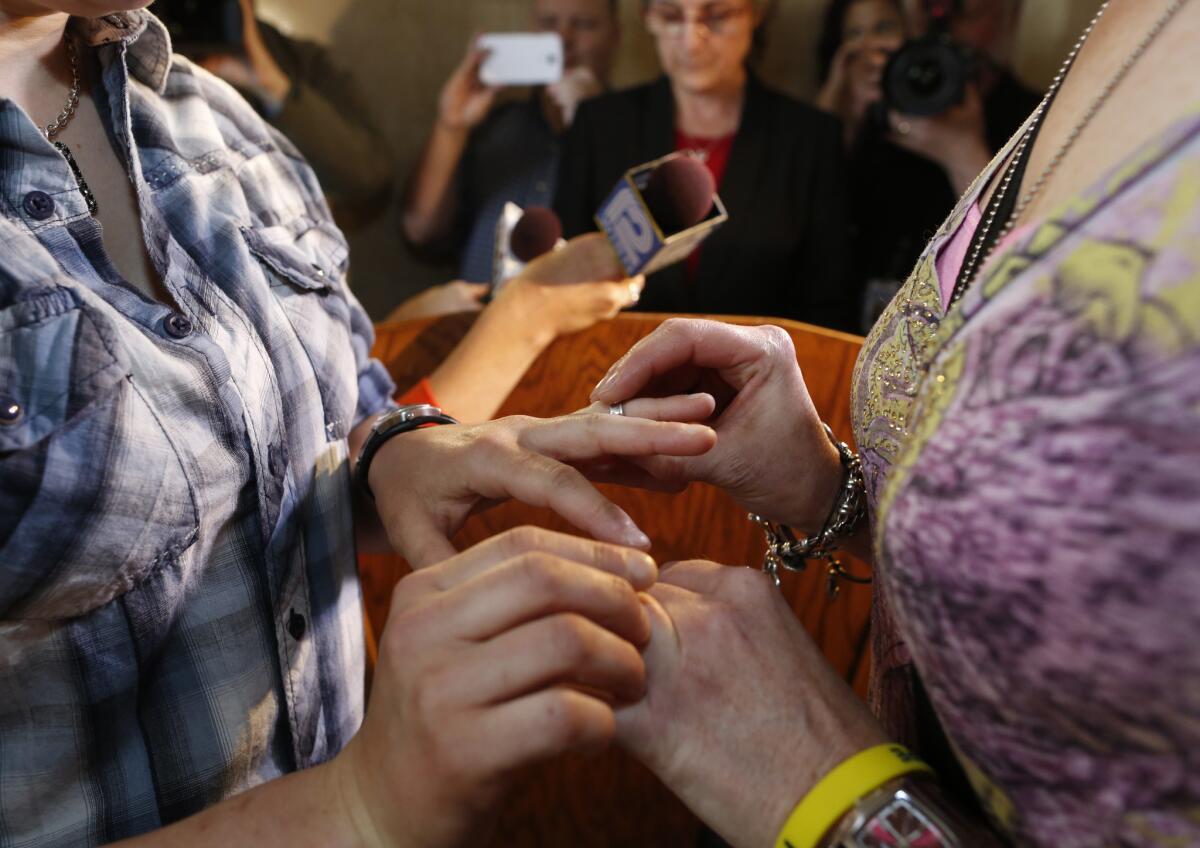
[(855, 80), (742, 714), (507, 654), (772, 455), (568, 290), (465, 101), (446, 299), (577, 85), (955, 139), (256, 72), (427, 482)]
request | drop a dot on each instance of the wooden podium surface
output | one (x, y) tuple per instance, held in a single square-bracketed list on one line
[(610, 800)]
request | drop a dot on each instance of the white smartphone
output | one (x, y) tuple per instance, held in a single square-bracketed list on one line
[(521, 58)]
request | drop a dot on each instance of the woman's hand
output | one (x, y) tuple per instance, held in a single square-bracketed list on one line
[(742, 714), (566, 290), (426, 483), (772, 455), (512, 652), (855, 81)]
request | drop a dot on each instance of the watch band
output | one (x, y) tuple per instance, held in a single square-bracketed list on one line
[(904, 813), (393, 423)]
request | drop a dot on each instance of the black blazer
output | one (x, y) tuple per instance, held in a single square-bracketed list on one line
[(783, 250)]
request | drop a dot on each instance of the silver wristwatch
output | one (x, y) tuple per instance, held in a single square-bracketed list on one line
[(899, 814), (393, 423)]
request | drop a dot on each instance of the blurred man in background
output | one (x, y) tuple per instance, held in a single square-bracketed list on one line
[(480, 156)]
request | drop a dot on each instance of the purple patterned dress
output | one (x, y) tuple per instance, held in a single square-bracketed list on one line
[(1033, 461)]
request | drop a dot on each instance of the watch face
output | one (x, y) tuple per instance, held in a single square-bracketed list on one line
[(901, 825)]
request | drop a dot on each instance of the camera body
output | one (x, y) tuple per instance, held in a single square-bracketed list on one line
[(928, 75), (201, 28)]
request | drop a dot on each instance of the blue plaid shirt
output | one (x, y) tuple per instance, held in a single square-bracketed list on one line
[(180, 616)]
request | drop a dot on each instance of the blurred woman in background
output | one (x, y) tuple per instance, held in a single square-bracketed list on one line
[(905, 172), (776, 163)]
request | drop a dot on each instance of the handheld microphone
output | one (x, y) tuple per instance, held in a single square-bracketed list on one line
[(536, 233), (679, 193), (522, 235), (660, 212)]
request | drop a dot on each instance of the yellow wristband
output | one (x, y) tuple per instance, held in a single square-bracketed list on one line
[(837, 792)]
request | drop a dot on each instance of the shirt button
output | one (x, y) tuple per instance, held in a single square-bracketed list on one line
[(38, 205), (296, 625), (11, 412), (177, 326)]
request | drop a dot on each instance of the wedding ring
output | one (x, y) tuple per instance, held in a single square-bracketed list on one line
[(616, 409)]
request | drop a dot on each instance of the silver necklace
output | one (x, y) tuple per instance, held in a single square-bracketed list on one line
[(978, 256), (60, 123), (701, 148)]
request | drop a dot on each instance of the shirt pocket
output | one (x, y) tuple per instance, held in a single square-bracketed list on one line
[(306, 262), (93, 494)]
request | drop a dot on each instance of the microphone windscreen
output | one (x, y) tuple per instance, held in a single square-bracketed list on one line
[(536, 233), (680, 193)]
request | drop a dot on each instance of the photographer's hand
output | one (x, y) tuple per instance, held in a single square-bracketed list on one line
[(955, 139)]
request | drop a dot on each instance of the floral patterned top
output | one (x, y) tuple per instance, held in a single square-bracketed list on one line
[(1033, 464)]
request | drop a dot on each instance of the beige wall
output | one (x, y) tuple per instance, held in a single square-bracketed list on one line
[(401, 50)]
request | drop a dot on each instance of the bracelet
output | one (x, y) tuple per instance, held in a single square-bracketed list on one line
[(390, 424), (784, 550), (839, 791)]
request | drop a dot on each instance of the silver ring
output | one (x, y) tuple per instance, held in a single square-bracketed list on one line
[(903, 127), (616, 409)]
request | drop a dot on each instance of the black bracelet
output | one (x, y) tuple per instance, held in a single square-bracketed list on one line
[(402, 420)]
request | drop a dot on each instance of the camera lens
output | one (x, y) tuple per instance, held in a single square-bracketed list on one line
[(927, 76)]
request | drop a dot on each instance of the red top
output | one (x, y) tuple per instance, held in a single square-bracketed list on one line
[(716, 158)]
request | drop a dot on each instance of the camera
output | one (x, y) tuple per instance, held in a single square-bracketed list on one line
[(202, 27), (928, 75)]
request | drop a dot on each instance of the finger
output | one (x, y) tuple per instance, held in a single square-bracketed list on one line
[(565, 648), (416, 536), (673, 471), (688, 409), (535, 728), (628, 564), (534, 586), (539, 480), (476, 292), (680, 342), (624, 473), (591, 436), (700, 576)]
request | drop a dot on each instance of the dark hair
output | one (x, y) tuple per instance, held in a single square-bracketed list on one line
[(830, 39)]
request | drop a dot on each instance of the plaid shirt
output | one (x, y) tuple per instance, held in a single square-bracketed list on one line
[(180, 616)]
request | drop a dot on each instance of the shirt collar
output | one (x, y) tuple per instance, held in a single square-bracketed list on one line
[(146, 39)]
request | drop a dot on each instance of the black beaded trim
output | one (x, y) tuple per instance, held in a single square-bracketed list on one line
[(84, 189)]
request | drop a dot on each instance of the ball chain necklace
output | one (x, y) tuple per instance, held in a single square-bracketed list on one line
[(985, 242), (60, 123)]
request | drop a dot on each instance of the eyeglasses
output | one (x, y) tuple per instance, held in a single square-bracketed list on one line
[(669, 21)]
